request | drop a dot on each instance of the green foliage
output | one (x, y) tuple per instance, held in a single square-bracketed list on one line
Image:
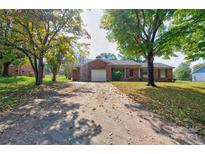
[(138, 32), (6, 56), (116, 75), (134, 58), (108, 56), (35, 33), (67, 69), (189, 26), (62, 52), (183, 72), (10, 55)]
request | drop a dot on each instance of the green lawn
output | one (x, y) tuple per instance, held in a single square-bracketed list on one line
[(18, 90), (182, 102)]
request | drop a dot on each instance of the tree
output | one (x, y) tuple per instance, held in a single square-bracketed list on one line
[(8, 55), (190, 39), (134, 58), (140, 33), (108, 56), (62, 52), (6, 58), (67, 69), (183, 72), (34, 31)]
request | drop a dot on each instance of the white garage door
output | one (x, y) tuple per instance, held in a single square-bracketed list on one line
[(98, 75)]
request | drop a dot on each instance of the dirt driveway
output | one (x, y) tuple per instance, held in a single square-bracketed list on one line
[(88, 113)]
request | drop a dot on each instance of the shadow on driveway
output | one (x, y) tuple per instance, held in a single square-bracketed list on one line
[(48, 119), (162, 126)]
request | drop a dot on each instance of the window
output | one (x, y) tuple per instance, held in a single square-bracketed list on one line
[(162, 73), (131, 72), (144, 72)]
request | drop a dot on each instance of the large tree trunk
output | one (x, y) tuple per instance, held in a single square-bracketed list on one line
[(54, 72), (54, 77), (39, 72), (5, 72), (150, 65), (39, 80)]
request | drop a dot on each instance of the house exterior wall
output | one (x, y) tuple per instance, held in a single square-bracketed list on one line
[(75, 74), (85, 70), (198, 77), (168, 78), (135, 76), (169, 75), (23, 70)]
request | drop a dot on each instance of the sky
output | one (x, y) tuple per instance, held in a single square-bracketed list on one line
[(100, 44)]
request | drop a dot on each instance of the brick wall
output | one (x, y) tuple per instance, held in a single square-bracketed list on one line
[(169, 75), (23, 70), (75, 74), (85, 70), (135, 76)]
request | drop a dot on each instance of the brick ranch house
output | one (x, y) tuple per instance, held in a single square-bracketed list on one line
[(25, 70), (101, 70)]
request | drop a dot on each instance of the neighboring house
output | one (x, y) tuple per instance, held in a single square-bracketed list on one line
[(199, 74), (101, 70), (25, 70)]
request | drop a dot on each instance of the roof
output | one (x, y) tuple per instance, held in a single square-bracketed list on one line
[(129, 63), (200, 70), (123, 62), (157, 65)]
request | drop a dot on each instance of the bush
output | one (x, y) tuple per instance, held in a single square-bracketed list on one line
[(183, 72), (116, 75)]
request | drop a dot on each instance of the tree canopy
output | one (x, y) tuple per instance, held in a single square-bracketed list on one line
[(109, 56), (183, 72), (140, 33), (8, 54), (63, 51), (134, 58), (36, 32), (190, 39)]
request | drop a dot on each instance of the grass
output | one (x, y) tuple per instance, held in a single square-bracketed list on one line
[(182, 102), (18, 90)]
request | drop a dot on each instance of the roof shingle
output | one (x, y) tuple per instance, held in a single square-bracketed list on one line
[(131, 63), (157, 65), (123, 62)]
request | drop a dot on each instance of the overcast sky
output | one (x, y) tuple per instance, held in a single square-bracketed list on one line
[(100, 44)]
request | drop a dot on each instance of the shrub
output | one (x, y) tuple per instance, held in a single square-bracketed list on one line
[(116, 75)]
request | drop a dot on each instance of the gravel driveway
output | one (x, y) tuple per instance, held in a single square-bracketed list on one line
[(88, 113)]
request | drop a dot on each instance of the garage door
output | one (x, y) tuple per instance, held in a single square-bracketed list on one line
[(98, 75)]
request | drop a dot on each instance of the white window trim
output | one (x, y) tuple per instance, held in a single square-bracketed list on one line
[(162, 75)]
